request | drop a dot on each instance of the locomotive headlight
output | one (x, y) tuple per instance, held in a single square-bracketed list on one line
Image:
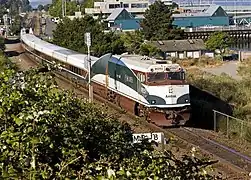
[(153, 102)]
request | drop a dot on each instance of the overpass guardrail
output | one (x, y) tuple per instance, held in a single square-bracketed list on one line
[(221, 28)]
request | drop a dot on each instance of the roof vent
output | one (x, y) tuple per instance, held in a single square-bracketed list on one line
[(160, 42)]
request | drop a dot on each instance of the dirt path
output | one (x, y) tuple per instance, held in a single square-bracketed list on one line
[(229, 68)]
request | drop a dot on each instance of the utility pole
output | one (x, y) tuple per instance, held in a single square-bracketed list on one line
[(88, 43)]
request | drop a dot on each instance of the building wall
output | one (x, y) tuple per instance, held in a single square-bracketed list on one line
[(200, 21), (127, 24), (184, 54)]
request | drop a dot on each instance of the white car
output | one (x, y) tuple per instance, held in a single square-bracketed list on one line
[(56, 20)]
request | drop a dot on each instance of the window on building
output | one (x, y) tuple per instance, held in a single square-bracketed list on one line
[(111, 6), (117, 5), (145, 5), (140, 5), (133, 5)]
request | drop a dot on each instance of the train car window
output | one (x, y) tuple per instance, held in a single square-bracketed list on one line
[(141, 77), (175, 75), (160, 76)]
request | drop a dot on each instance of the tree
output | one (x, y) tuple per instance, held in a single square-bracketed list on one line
[(49, 134), (149, 50), (16, 25), (2, 44), (46, 7), (40, 7), (74, 32), (157, 24), (218, 41), (56, 8), (133, 41)]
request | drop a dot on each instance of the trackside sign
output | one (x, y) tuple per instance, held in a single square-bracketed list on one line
[(157, 137)]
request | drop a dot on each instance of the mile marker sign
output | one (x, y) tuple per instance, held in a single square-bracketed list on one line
[(156, 137)]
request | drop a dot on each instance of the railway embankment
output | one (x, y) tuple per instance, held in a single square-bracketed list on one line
[(224, 167), (203, 103)]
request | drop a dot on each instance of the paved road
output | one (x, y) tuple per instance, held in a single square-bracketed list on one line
[(229, 68)]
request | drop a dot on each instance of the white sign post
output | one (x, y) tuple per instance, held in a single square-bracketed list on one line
[(157, 137), (88, 43), (5, 20)]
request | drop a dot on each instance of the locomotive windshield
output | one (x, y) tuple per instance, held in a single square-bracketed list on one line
[(160, 76)]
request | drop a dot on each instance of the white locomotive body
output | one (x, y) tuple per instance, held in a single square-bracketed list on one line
[(146, 87)]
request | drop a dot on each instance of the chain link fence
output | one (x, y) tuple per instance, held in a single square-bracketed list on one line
[(231, 126)]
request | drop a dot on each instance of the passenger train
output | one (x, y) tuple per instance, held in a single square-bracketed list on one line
[(146, 87)]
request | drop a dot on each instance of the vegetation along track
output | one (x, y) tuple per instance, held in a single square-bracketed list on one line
[(226, 155)]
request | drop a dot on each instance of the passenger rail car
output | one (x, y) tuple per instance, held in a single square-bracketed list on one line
[(154, 89)]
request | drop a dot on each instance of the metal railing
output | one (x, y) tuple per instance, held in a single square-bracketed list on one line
[(221, 28), (232, 127)]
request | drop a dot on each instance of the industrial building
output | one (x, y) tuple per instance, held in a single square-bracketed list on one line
[(232, 7), (213, 16), (135, 7), (121, 19)]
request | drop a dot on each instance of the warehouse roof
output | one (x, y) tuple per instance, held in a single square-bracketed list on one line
[(209, 12), (180, 45), (116, 12)]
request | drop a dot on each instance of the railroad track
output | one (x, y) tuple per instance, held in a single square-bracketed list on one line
[(240, 162), (223, 153)]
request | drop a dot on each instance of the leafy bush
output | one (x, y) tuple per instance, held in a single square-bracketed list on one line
[(235, 92), (203, 61)]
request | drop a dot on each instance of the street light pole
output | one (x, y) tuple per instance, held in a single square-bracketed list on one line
[(88, 43)]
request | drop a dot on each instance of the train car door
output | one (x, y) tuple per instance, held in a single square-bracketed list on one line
[(113, 74), (119, 72), (139, 86)]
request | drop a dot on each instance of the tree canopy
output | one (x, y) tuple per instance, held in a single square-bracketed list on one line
[(47, 133), (74, 31), (13, 6), (157, 23), (40, 7), (218, 41), (55, 8), (133, 41), (46, 7)]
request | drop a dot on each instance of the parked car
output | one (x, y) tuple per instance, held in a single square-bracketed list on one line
[(56, 20)]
